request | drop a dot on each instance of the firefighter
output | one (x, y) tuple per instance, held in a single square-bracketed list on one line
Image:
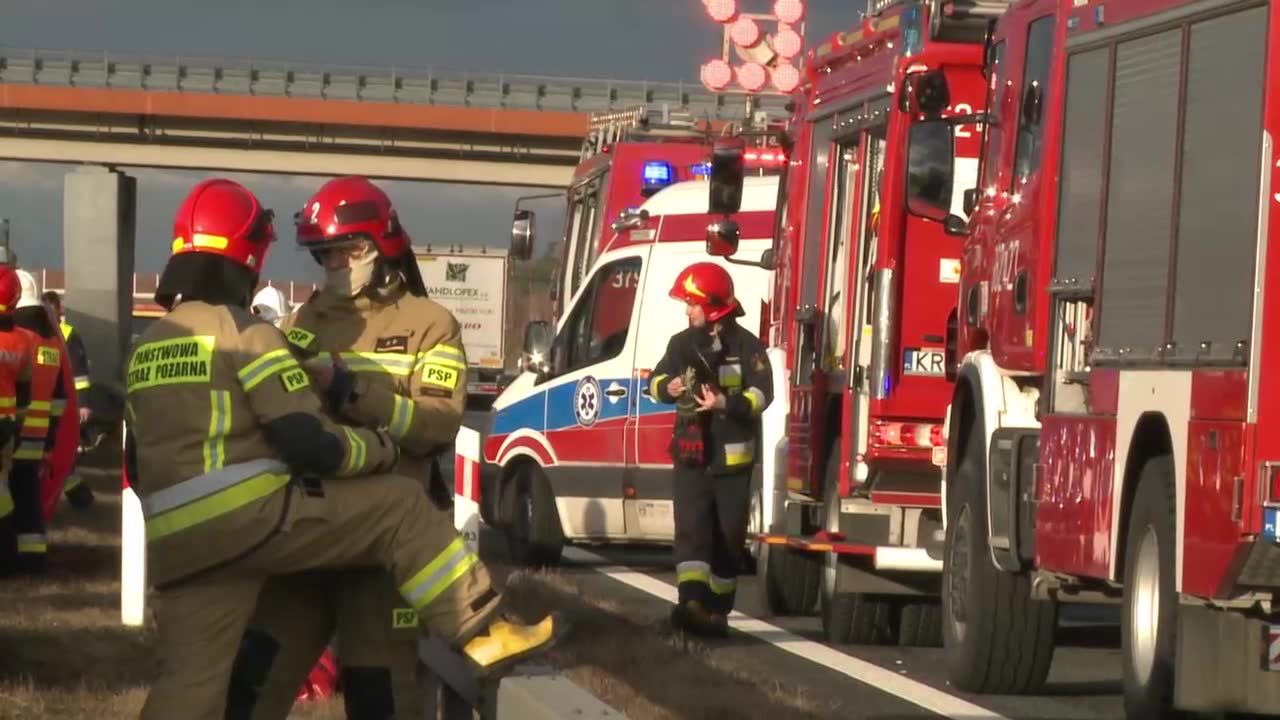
[(243, 476), (717, 374), (15, 394), (78, 494), (37, 426), (406, 355)]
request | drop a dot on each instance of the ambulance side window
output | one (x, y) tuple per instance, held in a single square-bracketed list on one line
[(598, 325)]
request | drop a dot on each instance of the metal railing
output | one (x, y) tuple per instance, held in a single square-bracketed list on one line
[(78, 68)]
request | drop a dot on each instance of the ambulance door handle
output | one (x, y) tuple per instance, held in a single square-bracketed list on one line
[(617, 392)]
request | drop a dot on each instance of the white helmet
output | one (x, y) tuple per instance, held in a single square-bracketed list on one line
[(30, 290), (269, 304)]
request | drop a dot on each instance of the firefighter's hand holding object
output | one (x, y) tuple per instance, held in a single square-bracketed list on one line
[(676, 387), (708, 399)]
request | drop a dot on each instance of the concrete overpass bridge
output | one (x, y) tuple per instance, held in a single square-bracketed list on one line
[(257, 116)]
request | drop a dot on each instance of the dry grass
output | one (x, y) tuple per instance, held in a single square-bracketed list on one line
[(644, 669), (63, 652)]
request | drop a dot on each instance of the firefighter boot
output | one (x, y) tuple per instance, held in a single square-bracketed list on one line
[(694, 618), (506, 643)]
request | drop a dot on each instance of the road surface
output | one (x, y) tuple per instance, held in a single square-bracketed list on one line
[(891, 683)]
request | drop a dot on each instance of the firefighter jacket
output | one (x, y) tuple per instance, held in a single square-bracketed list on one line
[(733, 363), (15, 389), (39, 423), (206, 384), (410, 365), (79, 358)]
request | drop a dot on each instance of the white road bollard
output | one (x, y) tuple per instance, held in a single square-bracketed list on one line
[(466, 486), (133, 555)]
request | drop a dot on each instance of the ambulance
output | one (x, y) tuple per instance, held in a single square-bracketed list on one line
[(575, 450)]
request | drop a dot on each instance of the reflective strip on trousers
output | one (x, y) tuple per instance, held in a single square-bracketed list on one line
[(32, 543), (72, 482), (755, 399), (82, 382), (355, 451), (723, 586), (401, 417), (57, 407), (215, 453), (429, 582), (738, 453), (6, 501), (38, 405), (446, 355), (207, 496), (29, 449), (693, 571), (265, 366)]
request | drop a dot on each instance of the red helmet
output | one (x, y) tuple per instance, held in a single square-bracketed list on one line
[(709, 286), (10, 289), (221, 217), (346, 209)]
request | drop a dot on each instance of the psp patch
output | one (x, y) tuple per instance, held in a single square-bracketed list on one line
[(48, 356), (301, 338), (392, 343), (440, 376), (294, 379), (402, 618)]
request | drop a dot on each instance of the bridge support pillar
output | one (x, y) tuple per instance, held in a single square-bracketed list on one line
[(98, 216)]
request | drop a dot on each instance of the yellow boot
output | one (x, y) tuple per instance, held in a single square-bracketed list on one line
[(506, 643)]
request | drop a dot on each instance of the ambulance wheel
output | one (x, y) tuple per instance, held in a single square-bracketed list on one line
[(998, 638), (534, 535), (857, 619), (787, 580), (1148, 633), (920, 623)]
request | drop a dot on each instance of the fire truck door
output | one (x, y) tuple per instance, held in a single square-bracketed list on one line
[(864, 211), (588, 396)]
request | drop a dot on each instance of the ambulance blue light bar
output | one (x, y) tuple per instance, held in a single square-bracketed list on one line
[(701, 170), (657, 175)]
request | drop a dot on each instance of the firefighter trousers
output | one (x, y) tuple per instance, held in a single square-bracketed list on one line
[(28, 515), (711, 529), (375, 521), (297, 616)]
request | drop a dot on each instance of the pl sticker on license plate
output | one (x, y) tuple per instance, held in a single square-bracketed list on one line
[(924, 361)]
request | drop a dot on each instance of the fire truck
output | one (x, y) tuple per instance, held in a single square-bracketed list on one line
[(627, 156), (1114, 433), (865, 290)]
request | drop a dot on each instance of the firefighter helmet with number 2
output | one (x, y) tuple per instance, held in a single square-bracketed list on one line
[(710, 287), (349, 209)]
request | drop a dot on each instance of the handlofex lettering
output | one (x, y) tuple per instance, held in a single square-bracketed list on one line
[(167, 362)]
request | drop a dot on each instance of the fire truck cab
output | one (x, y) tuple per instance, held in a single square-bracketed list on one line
[(575, 449), (1114, 434), (861, 307)]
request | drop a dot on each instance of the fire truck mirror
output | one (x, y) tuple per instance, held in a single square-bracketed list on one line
[(955, 225), (727, 171), (722, 238), (769, 260), (522, 234), (925, 93), (930, 160), (536, 352), (970, 200)]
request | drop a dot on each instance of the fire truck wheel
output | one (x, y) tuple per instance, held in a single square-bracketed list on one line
[(920, 623), (998, 638), (787, 580), (1150, 603), (857, 619), (532, 527)]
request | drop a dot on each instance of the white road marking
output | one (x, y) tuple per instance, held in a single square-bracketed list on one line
[(914, 692)]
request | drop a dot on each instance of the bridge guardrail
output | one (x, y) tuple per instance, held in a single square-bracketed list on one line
[(76, 68)]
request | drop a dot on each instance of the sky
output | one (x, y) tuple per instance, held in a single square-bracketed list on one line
[(659, 40)]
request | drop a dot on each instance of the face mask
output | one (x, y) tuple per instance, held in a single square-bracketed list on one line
[(350, 280)]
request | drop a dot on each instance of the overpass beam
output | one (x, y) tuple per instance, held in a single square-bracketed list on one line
[(98, 221)]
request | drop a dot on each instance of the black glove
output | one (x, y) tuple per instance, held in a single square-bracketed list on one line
[(342, 389)]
